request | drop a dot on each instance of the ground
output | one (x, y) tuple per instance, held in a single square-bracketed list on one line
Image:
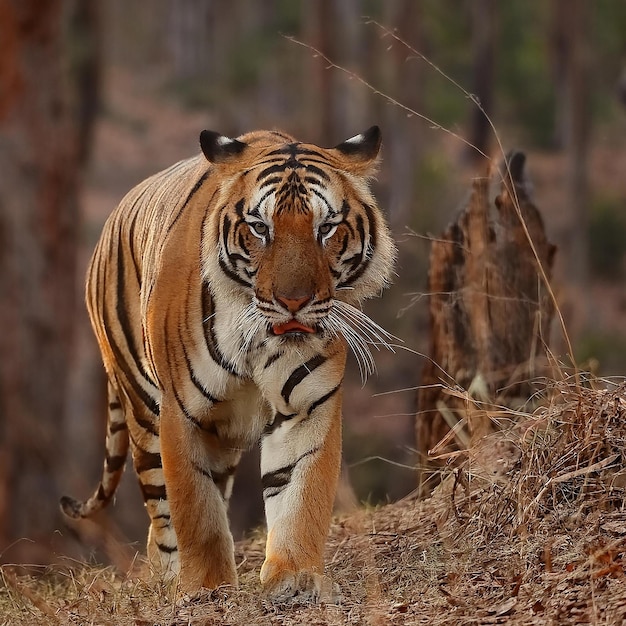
[(529, 529)]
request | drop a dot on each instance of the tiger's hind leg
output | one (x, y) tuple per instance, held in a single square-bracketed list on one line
[(162, 545), (115, 459)]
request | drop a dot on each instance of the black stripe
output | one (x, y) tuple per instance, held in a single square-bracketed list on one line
[(345, 208), (150, 403), (116, 427), (270, 181), (140, 448), (272, 169), (356, 275), (206, 473), (239, 206), (278, 420), (231, 274), (179, 400), (123, 319), (153, 492), (283, 151), (209, 335), (131, 241), (192, 374), (211, 429), (361, 261), (234, 257), (317, 171), (356, 260), (149, 425), (311, 180), (115, 463), (115, 405), (323, 399), (275, 482), (148, 461), (272, 359), (344, 245), (277, 156), (294, 149), (299, 374), (192, 193), (220, 479), (242, 244), (322, 197), (226, 225), (167, 549)]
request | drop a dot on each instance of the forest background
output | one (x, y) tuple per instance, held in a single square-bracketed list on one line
[(96, 96)]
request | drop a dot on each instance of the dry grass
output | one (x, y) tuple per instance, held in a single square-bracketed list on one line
[(530, 529)]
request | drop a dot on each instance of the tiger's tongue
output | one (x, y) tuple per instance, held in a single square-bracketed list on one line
[(291, 326)]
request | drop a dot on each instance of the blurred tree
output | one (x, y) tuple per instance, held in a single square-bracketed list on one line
[(335, 29), (484, 21), (621, 87), (571, 20), (39, 159), (403, 75), (191, 30)]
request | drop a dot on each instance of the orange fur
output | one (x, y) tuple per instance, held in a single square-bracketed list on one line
[(222, 293)]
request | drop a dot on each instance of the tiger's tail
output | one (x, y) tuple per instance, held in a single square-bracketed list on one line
[(116, 451)]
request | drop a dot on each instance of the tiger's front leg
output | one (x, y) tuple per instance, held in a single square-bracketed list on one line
[(194, 466), (300, 462)]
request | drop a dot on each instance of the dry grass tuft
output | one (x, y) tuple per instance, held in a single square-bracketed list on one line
[(529, 529)]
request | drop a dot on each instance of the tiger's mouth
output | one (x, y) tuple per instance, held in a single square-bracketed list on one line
[(293, 326)]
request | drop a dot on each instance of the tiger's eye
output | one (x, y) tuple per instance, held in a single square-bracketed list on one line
[(260, 228), (325, 229)]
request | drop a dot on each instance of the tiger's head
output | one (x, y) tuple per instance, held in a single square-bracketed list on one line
[(299, 236)]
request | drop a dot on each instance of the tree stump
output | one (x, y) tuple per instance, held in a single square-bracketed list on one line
[(490, 316)]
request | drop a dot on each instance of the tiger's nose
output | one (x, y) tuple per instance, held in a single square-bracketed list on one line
[(293, 305)]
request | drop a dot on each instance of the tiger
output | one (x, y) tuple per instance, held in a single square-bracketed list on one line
[(224, 294)]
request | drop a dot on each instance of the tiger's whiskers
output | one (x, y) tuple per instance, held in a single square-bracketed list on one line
[(251, 321), (360, 332)]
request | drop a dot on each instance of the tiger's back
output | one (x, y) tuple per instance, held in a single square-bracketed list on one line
[(223, 293)]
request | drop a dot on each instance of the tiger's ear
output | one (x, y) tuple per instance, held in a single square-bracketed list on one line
[(361, 151), (219, 148)]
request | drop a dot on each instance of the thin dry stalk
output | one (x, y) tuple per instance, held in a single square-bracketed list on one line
[(23, 590)]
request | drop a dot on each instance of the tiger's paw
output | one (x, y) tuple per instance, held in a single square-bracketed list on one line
[(304, 587)]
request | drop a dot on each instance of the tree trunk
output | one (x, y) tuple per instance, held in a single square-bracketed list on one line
[(38, 240), (490, 314), (403, 78), (190, 38), (578, 121), (335, 29), (571, 61), (484, 14)]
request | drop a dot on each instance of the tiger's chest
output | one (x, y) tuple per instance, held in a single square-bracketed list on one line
[(244, 385)]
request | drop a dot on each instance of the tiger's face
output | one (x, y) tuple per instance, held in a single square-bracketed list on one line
[(300, 237)]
